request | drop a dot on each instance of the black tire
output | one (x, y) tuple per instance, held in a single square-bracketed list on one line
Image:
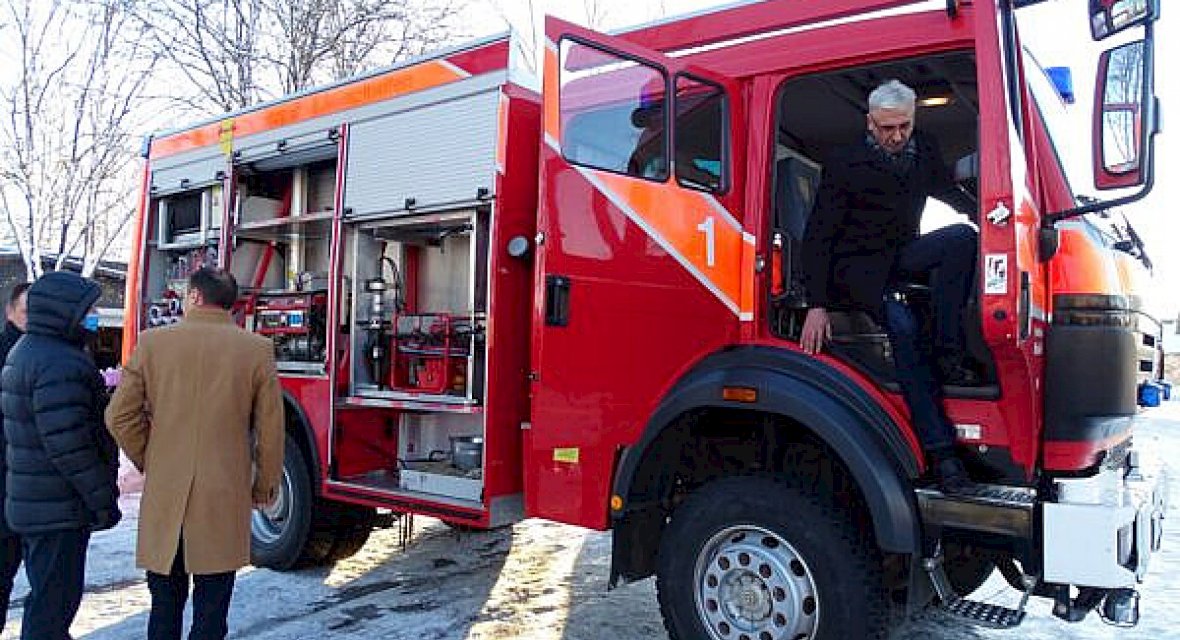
[(351, 530), (967, 567), (768, 560), (281, 537)]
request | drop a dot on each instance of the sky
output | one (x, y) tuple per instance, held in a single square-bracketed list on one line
[(1057, 34)]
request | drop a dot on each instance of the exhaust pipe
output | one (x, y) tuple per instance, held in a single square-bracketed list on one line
[(1120, 608)]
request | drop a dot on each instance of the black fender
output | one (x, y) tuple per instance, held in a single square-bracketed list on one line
[(300, 427), (813, 394)]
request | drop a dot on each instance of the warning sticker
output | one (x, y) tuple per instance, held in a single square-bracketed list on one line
[(995, 270)]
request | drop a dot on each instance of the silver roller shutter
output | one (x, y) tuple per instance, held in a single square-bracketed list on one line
[(186, 171), (437, 154)]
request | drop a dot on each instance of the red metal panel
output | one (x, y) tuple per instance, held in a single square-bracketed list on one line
[(748, 19), (510, 295), (638, 320), (314, 397), (489, 57), (136, 268)]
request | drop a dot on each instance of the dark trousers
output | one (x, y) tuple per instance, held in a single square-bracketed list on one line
[(10, 555), (55, 564), (210, 603), (947, 256)]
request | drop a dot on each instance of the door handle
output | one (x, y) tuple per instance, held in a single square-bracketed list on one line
[(557, 301)]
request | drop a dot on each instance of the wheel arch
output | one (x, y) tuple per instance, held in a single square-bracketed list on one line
[(819, 399), (298, 426)]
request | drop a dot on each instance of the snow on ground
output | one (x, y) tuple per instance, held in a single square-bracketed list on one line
[(537, 580)]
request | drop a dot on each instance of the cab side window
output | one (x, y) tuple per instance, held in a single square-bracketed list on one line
[(612, 111), (699, 132)]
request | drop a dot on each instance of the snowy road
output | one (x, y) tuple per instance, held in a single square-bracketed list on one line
[(536, 580)]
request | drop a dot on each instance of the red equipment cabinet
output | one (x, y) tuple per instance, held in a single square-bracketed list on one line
[(430, 352)]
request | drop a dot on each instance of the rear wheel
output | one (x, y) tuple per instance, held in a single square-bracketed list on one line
[(759, 559), (298, 529), (967, 567), (350, 530)]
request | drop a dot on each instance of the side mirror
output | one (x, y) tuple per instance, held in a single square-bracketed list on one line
[(1108, 17), (1124, 117)]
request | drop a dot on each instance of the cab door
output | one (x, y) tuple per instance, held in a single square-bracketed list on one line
[(643, 264)]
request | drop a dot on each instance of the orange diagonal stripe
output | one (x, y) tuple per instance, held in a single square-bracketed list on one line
[(677, 215)]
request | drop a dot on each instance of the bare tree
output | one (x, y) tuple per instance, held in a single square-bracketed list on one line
[(320, 40), (234, 53), (213, 45), (526, 26), (597, 13), (525, 18), (67, 155)]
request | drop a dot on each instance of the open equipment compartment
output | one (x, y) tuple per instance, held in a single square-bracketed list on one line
[(417, 345), (184, 219), (419, 291), (284, 204)]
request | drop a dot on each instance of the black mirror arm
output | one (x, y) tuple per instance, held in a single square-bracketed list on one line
[(1100, 205)]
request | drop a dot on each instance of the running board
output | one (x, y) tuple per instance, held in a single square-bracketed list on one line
[(990, 508)]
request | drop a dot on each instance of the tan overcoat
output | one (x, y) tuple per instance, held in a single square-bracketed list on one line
[(197, 404)]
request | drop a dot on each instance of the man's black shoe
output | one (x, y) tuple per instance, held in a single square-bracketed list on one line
[(952, 476)]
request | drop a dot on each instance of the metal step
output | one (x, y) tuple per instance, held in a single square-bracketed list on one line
[(990, 615), (998, 509), (982, 613)]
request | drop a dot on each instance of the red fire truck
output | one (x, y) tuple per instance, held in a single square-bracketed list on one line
[(580, 302)]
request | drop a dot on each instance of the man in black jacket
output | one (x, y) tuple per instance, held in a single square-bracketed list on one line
[(863, 240), (62, 463), (16, 312)]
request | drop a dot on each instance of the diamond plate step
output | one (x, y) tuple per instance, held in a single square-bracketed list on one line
[(990, 615)]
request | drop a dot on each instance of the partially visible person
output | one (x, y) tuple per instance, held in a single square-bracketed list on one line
[(197, 409), (62, 464), (863, 243), (16, 313)]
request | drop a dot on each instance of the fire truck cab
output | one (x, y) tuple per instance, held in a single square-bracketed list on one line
[(582, 303)]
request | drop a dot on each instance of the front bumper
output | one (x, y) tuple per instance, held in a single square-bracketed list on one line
[(1101, 531)]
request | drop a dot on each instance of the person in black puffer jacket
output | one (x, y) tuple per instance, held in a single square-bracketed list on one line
[(62, 463), (10, 544)]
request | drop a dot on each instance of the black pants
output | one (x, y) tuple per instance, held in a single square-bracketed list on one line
[(10, 555), (210, 603), (55, 564), (948, 256)]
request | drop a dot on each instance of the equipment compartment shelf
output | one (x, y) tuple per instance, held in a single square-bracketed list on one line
[(316, 225), (407, 402)]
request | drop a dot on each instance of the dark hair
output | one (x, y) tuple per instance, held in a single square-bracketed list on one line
[(17, 291), (217, 286)]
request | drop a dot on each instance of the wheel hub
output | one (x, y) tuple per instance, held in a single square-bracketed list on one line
[(751, 584), (269, 522)]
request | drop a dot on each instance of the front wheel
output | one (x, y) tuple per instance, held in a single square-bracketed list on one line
[(758, 559)]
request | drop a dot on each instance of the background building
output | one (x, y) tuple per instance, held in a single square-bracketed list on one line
[(111, 276)]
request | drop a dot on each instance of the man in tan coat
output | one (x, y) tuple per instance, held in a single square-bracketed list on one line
[(198, 403)]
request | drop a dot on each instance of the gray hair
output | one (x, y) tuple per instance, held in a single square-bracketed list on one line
[(892, 94)]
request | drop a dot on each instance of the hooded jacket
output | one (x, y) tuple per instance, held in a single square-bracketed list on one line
[(7, 340), (62, 463)]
